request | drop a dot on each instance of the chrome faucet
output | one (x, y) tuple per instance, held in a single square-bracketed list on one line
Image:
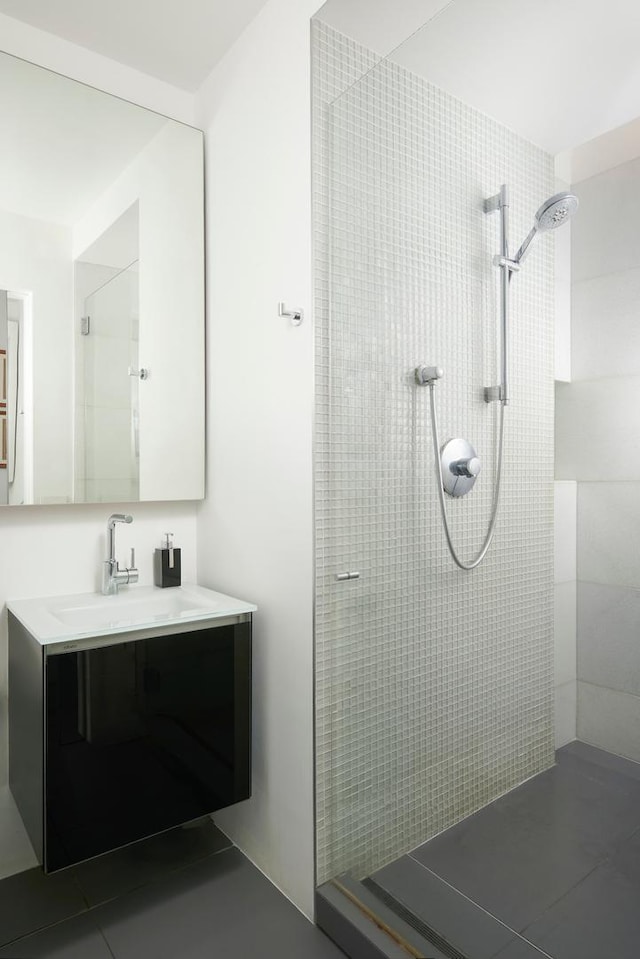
[(112, 576)]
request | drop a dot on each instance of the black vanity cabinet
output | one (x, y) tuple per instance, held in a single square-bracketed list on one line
[(116, 738)]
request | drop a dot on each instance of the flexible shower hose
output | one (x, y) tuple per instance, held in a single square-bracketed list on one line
[(443, 509)]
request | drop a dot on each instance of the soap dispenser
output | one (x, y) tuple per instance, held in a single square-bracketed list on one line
[(166, 564)]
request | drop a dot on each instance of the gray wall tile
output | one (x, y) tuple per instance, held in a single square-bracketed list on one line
[(606, 237), (609, 625), (609, 719), (598, 429), (605, 326), (609, 533)]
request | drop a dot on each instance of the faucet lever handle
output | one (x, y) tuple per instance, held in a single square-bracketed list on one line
[(133, 558)]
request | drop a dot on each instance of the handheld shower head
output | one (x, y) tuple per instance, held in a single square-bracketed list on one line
[(553, 213)]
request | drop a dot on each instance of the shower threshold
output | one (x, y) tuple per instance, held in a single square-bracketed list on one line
[(551, 869)]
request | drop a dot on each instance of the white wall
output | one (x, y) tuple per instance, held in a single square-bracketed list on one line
[(50, 550), (170, 196), (35, 257), (77, 62), (255, 536)]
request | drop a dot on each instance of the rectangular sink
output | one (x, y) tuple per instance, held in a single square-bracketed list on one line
[(56, 618), (131, 611)]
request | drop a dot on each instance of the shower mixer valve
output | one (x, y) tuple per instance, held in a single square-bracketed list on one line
[(460, 467)]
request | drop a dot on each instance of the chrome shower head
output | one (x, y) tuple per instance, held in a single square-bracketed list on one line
[(556, 211), (553, 213)]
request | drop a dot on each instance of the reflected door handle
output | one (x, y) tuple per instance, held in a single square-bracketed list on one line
[(142, 373)]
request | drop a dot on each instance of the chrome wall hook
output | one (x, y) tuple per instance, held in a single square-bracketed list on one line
[(142, 373), (296, 316)]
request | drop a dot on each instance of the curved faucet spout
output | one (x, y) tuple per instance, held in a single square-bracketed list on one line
[(111, 535), (112, 575)]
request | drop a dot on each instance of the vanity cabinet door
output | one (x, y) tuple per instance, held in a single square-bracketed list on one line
[(143, 736)]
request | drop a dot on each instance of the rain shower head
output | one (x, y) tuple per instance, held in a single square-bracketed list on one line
[(553, 213)]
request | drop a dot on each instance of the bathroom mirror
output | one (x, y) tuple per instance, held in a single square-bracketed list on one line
[(101, 296)]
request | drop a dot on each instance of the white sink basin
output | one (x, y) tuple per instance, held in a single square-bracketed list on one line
[(94, 615), (56, 618)]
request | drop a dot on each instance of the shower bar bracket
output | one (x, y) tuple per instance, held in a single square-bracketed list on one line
[(494, 203), (494, 394), (502, 262)]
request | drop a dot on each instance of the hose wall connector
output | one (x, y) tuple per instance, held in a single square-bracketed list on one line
[(427, 375)]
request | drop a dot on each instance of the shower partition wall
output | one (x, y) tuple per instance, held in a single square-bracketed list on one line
[(434, 686)]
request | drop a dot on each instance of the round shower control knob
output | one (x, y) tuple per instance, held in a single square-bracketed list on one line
[(469, 467), (460, 467)]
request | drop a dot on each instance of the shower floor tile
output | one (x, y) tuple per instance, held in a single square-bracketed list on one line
[(556, 861), (524, 852), (599, 918)]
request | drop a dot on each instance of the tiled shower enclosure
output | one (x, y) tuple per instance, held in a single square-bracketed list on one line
[(434, 686)]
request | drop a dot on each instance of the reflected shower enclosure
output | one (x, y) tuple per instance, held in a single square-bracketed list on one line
[(107, 400)]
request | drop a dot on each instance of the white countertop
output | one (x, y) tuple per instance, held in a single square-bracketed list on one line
[(52, 619)]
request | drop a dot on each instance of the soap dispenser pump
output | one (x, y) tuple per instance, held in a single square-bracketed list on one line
[(166, 564)]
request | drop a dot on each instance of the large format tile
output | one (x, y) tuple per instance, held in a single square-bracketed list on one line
[(609, 626), (222, 906), (565, 514), (565, 713), (562, 296), (460, 923), (599, 918), (605, 333), (525, 851), (621, 772), (30, 901), (609, 719), (597, 428), (520, 949), (604, 237), (564, 633), (608, 533), (618, 777), (125, 869), (77, 938)]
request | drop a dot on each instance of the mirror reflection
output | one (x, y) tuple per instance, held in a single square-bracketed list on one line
[(101, 296)]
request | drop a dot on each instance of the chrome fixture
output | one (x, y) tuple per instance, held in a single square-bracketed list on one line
[(460, 467), (112, 576), (142, 373), (346, 577), (428, 374), (296, 316), (553, 213), (457, 465), (500, 203), (457, 468)]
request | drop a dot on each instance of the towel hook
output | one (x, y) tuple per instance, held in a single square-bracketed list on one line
[(296, 316)]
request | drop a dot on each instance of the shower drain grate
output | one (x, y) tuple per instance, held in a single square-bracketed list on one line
[(412, 920)]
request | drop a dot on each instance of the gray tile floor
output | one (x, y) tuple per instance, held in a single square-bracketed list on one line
[(553, 868), (188, 894)]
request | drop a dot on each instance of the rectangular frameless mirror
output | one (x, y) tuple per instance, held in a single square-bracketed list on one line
[(101, 296)]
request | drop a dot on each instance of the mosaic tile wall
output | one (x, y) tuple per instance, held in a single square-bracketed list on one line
[(434, 686)]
